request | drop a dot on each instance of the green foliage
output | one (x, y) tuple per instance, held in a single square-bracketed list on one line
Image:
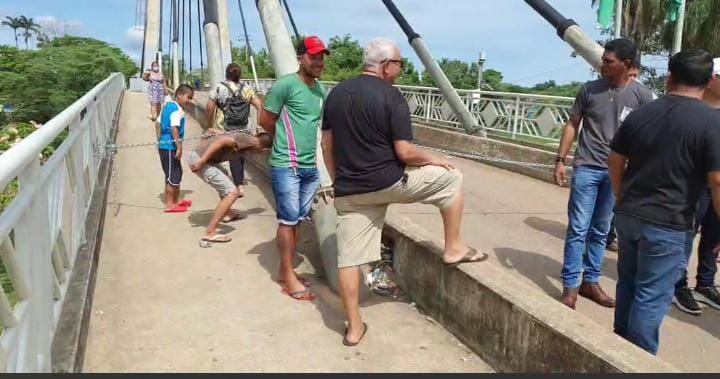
[(263, 64), (41, 83)]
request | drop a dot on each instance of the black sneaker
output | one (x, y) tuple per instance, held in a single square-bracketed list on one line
[(685, 301), (709, 296)]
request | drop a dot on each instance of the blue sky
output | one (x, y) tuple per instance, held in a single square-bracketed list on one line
[(517, 41)]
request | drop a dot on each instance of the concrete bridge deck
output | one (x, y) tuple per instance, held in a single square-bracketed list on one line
[(164, 304)]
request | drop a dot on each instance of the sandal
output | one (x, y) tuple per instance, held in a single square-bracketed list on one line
[(471, 256), (235, 216), (177, 209), (304, 295), (185, 203), (218, 238), (303, 281), (351, 344)]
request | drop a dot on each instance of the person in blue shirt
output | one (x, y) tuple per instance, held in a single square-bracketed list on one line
[(172, 131)]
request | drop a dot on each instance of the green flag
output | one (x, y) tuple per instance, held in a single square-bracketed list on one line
[(606, 12), (674, 10)]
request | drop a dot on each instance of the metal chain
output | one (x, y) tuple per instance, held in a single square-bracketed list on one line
[(485, 158)]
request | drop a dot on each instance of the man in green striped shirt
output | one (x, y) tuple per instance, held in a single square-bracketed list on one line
[(292, 115)]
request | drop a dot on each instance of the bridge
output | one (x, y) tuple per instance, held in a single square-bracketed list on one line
[(101, 280)]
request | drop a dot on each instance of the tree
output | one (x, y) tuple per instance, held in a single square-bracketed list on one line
[(13, 23), (41, 83), (30, 27)]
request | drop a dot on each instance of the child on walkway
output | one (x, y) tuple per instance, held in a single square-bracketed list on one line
[(172, 131), (205, 162)]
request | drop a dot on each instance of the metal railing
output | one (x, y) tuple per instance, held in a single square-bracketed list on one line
[(43, 227), (537, 118)]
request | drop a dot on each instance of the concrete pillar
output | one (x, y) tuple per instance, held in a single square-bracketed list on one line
[(224, 27), (212, 43), (152, 33), (280, 46)]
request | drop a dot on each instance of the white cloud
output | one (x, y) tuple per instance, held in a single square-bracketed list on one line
[(55, 27), (133, 42)]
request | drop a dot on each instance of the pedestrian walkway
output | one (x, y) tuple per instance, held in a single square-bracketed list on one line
[(164, 304), (521, 223)]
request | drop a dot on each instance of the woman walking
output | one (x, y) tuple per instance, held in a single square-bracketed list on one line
[(156, 90)]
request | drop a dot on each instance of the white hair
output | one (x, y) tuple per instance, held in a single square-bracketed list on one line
[(379, 50)]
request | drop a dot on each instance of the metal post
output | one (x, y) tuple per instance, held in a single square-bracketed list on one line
[(570, 32), (469, 122), (679, 26), (212, 42), (618, 18), (175, 50), (224, 28)]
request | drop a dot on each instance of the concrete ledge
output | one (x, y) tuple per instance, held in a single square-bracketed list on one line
[(512, 326), (69, 341), (465, 143)]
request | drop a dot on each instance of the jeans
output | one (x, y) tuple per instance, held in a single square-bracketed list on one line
[(650, 261), (709, 225), (589, 213), (294, 190)]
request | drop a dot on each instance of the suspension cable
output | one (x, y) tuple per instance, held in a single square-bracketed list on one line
[(248, 47), (190, 33), (202, 66), (292, 20), (182, 26)]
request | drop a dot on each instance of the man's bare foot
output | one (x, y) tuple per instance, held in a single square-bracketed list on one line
[(291, 283), (241, 191), (304, 281), (470, 255)]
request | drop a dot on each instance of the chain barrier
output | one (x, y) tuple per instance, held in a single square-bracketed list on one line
[(111, 151)]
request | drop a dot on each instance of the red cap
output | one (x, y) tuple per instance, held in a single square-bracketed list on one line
[(311, 45)]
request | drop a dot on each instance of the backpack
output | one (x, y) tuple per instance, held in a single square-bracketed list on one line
[(236, 109)]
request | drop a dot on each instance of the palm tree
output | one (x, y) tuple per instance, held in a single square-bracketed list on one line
[(30, 26), (14, 24), (646, 22)]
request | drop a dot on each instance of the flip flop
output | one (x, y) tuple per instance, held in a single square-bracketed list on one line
[(218, 238), (303, 281), (304, 295), (185, 203), (468, 257), (351, 344), (177, 209)]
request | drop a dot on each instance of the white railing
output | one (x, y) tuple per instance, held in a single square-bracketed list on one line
[(538, 118), (43, 227)]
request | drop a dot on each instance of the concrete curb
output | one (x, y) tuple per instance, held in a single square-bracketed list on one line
[(512, 326), (69, 342)]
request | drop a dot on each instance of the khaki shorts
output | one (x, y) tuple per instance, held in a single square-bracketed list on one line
[(361, 217), (214, 175)]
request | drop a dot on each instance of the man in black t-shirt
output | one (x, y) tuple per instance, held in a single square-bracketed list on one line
[(662, 158), (367, 134)]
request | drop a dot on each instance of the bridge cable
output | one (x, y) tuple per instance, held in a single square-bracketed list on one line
[(169, 42), (292, 20), (248, 48), (142, 52), (190, 33), (199, 17), (182, 25), (160, 39)]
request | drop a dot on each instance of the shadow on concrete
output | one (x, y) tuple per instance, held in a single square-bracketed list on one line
[(183, 195), (549, 227), (201, 219), (540, 268)]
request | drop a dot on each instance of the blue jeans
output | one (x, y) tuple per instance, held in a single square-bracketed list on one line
[(709, 224), (589, 213), (294, 190), (650, 261)]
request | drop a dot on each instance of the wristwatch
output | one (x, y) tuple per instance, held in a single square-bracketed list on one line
[(559, 159)]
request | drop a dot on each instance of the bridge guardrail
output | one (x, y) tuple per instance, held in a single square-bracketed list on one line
[(514, 115), (43, 227)]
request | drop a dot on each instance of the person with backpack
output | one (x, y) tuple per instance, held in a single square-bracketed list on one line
[(233, 98)]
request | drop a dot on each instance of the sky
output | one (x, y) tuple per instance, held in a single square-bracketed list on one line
[(516, 40)]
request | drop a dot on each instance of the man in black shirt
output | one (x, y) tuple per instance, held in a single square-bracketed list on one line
[(662, 158), (367, 134)]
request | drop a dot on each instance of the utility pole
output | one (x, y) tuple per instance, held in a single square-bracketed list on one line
[(618, 18), (679, 26), (481, 70)]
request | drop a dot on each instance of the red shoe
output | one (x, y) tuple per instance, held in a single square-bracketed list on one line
[(177, 209), (185, 203)]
